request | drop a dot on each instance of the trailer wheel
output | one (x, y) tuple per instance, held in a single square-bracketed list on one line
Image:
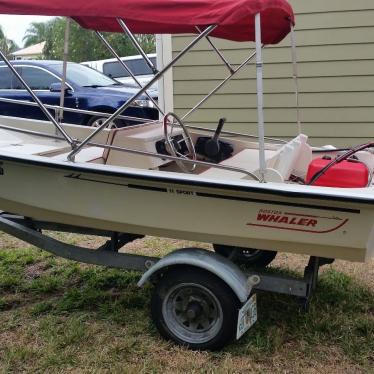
[(195, 308), (246, 256)]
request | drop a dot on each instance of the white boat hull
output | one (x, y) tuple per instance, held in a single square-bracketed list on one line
[(154, 203)]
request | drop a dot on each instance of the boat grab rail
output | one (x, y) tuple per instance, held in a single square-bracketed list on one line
[(73, 110), (238, 134), (103, 114), (141, 153)]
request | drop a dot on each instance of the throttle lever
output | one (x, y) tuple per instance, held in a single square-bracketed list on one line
[(221, 122), (212, 147)]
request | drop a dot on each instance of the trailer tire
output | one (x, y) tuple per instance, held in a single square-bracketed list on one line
[(194, 308), (246, 256)]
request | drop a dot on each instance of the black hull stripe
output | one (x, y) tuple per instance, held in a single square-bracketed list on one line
[(149, 188), (345, 210), (73, 168), (78, 177), (224, 197)]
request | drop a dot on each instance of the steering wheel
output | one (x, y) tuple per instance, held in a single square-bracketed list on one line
[(171, 120)]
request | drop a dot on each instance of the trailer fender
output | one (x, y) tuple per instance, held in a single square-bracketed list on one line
[(210, 261)]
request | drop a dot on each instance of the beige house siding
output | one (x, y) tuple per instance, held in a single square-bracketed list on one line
[(336, 67)]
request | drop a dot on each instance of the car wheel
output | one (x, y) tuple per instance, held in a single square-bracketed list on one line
[(194, 308), (246, 256), (98, 121)]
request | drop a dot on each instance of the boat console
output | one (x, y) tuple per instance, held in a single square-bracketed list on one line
[(148, 137)]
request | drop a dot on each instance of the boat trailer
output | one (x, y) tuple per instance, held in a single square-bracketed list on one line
[(243, 282)]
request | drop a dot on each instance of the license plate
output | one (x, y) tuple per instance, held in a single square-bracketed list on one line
[(247, 316)]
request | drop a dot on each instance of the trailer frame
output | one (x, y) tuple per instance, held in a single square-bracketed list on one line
[(31, 231)]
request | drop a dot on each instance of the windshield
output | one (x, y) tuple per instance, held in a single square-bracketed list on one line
[(85, 76)]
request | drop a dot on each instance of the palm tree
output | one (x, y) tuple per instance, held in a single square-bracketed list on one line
[(6, 45), (36, 33), (2, 35)]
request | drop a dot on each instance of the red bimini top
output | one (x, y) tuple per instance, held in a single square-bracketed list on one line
[(234, 18)]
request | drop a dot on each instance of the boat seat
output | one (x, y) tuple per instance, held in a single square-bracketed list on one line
[(292, 157), (24, 145), (246, 159), (142, 138), (89, 154), (29, 149), (8, 139)]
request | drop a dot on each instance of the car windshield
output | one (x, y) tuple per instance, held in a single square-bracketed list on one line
[(84, 76)]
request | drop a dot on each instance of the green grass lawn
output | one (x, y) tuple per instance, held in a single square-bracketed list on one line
[(60, 316)]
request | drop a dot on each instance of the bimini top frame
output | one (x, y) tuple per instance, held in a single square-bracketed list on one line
[(262, 21)]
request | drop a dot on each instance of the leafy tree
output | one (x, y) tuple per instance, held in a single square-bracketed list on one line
[(148, 42), (7, 45), (36, 33), (84, 45)]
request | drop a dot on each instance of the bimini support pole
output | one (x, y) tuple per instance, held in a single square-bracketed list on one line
[(220, 85), (219, 53), (116, 55), (206, 32), (260, 95), (64, 69), (37, 100), (295, 76), (137, 45)]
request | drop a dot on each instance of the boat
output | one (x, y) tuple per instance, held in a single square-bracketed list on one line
[(165, 178), (249, 195)]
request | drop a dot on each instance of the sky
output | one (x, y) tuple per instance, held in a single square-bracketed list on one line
[(14, 27)]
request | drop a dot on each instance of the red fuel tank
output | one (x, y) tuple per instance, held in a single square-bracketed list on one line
[(347, 173)]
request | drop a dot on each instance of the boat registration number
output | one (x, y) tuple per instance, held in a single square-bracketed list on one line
[(247, 316)]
